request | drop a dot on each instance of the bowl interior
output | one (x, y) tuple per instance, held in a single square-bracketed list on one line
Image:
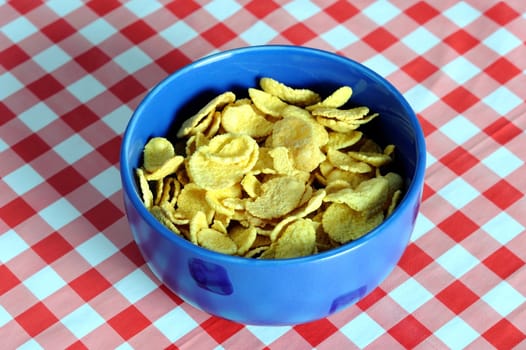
[(183, 93)]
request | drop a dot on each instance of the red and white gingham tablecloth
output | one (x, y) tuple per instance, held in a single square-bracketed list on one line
[(71, 73)]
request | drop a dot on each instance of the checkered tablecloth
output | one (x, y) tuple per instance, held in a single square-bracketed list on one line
[(71, 73)]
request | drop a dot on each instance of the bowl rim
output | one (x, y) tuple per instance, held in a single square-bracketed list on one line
[(414, 188)]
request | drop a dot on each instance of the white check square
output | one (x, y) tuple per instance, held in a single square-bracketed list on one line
[(59, 214), (362, 330), (456, 334), (410, 295), (96, 249), (458, 192), (504, 299), (222, 9), (135, 286), (457, 261), (258, 34), (175, 324), (11, 245), (38, 116), (82, 321), (23, 179), (44, 283)]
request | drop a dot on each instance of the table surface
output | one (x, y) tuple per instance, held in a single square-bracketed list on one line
[(72, 72)]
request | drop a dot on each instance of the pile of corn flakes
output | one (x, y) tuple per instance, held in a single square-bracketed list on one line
[(280, 174)]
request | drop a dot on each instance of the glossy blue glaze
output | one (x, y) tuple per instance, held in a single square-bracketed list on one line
[(273, 292)]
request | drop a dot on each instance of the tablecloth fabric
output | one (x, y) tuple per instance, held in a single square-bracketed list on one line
[(72, 72)]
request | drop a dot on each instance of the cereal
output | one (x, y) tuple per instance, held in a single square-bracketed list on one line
[(298, 239), (344, 161), (338, 140), (244, 237), (279, 196), (344, 115), (223, 162), (367, 196), (298, 97), (279, 174), (337, 99), (192, 200), (267, 103), (191, 125), (169, 167), (344, 224), (216, 241), (156, 152), (147, 195), (245, 119), (371, 158)]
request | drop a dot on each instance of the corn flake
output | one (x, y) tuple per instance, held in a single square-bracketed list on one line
[(299, 97), (245, 119), (279, 196), (156, 152), (207, 111)]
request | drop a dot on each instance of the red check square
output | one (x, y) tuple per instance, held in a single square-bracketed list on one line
[(182, 8), (420, 69), (502, 130), (414, 259), (104, 214), (219, 34), (9, 280), (504, 335), (138, 32), (23, 7), (317, 331), (503, 262), (457, 297), (503, 194), (459, 160), (103, 7), (460, 99), (221, 329), (502, 70), (12, 57), (31, 147), (129, 322), (341, 10), (66, 180), (422, 12), (16, 211), (36, 319), (502, 13), (261, 9), (45, 87), (127, 89), (80, 118), (90, 284), (92, 59), (461, 41), (52, 247), (380, 39), (6, 113), (58, 30), (409, 332), (299, 33), (369, 300), (458, 226), (110, 149), (173, 60), (132, 252)]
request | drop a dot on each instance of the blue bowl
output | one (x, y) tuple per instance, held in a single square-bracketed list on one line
[(273, 292)]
